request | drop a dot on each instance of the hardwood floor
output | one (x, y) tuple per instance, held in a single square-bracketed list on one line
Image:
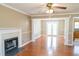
[(48, 46)]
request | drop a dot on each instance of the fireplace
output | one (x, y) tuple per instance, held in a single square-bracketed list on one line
[(11, 46)]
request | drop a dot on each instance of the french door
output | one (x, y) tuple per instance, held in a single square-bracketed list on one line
[(52, 28)]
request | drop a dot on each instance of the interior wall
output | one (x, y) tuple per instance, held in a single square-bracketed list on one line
[(12, 19), (43, 23), (61, 27), (36, 28)]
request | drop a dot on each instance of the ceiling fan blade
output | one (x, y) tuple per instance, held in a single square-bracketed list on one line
[(60, 7)]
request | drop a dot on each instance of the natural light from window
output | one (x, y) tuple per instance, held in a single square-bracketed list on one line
[(76, 25), (52, 28)]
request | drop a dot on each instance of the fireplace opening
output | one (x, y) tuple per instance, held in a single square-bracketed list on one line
[(11, 46)]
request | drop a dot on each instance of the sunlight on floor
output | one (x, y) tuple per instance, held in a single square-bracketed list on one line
[(76, 50), (76, 47), (51, 44), (51, 41)]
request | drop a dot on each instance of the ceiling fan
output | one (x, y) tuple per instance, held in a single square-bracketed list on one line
[(51, 7)]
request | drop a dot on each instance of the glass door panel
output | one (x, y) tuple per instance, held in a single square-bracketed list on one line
[(49, 27), (52, 28)]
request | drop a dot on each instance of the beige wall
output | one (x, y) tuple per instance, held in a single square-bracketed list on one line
[(36, 28), (61, 27), (76, 19), (12, 19)]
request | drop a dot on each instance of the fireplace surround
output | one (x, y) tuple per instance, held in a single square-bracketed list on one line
[(10, 39)]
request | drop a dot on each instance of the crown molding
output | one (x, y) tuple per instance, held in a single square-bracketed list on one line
[(37, 15), (15, 9)]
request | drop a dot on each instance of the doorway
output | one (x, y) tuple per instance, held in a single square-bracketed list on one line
[(76, 32), (76, 35)]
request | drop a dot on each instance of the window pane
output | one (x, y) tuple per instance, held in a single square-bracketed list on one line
[(77, 25), (55, 28), (49, 28)]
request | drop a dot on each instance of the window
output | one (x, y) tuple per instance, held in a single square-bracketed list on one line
[(77, 25)]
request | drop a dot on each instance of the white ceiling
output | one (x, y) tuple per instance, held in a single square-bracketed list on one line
[(37, 9)]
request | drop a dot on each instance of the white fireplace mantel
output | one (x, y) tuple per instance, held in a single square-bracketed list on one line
[(6, 34)]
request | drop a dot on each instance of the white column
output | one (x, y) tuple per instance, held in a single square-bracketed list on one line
[(71, 29), (68, 37), (66, 32)]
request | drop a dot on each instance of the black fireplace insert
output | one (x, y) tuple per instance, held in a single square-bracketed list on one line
[(11, 46)]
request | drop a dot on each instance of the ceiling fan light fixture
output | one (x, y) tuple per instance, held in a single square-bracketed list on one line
[(49, 11)]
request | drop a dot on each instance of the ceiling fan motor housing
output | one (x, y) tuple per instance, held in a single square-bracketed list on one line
[(49, 5)]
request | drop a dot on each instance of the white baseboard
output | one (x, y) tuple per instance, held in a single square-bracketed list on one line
[(26, 43), (30, 41), (68, 44), (33, 39)]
